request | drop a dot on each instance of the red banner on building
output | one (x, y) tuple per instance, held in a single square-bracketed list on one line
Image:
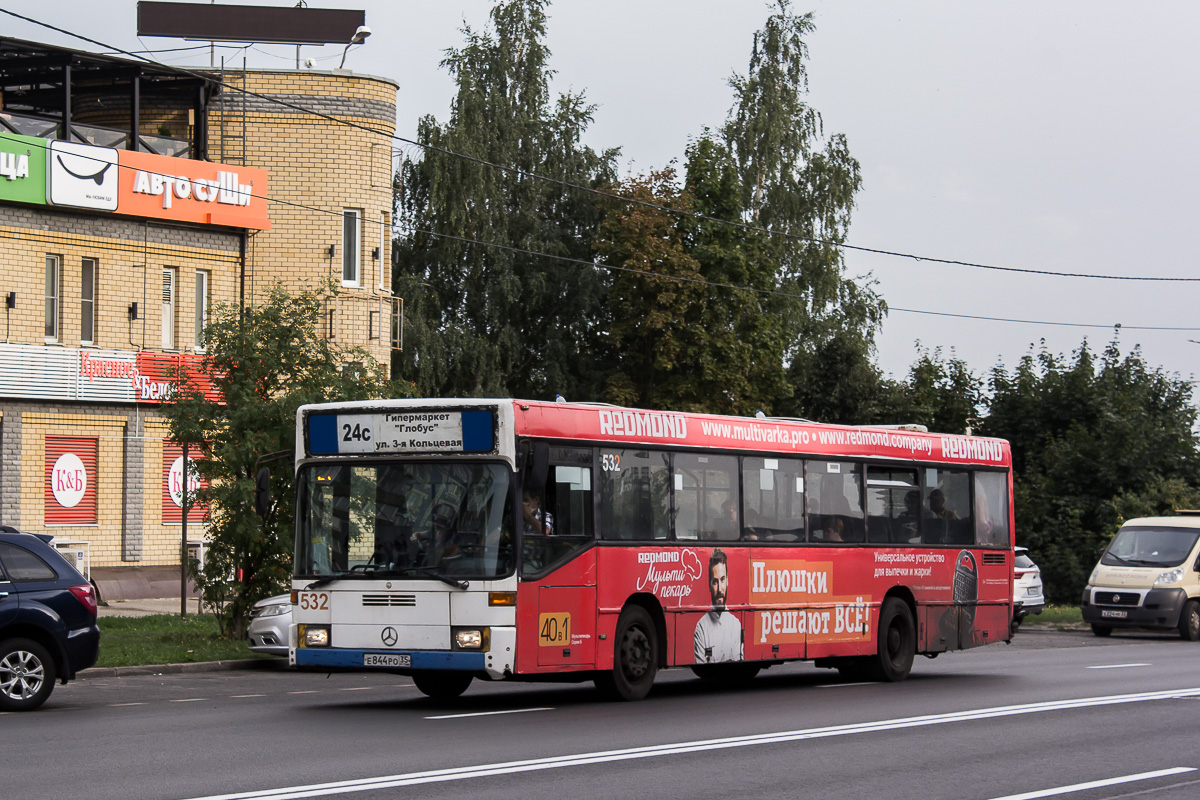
[(70, 490), (172, 487)]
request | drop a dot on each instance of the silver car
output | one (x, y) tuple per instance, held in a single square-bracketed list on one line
[(269, 623)]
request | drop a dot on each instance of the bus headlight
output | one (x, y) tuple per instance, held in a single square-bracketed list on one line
[(314, 635), (472, 638), (1169, 577)]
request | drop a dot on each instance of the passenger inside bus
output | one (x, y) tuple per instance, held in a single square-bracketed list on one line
[(537, 519)]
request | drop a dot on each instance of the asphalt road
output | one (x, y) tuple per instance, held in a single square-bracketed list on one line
[(1050, 711)]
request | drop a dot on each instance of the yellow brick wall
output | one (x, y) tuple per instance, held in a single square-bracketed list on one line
[(317, 169), (104, 537), (126, 272), (160, 543)]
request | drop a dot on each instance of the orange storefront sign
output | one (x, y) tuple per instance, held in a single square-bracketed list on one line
[(184, 190)]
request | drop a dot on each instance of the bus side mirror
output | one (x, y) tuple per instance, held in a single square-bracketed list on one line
[(262, 491)]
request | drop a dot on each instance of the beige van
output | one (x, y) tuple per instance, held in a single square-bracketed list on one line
[(1148, 577)]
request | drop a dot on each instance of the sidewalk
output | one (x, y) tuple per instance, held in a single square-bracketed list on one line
[(146, 607)]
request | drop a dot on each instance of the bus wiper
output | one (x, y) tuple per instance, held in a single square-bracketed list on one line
[(430, 571), (1118, 558), (322, 582)]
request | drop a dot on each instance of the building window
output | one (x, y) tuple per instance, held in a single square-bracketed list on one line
[(350, 247), (383, 234), (201, 306), (398, 323), (87, 302), (168, 308), (52, 292), (373, 324)]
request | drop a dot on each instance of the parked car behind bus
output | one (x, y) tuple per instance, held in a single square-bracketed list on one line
[(1028, 597)]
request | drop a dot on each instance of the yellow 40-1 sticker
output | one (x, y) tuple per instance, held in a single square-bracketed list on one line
[(554, 629)]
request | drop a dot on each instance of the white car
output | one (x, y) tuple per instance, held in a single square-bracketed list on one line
[(1028, 597), (269, 623)]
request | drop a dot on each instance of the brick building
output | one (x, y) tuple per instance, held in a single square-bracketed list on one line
[(117, 246)]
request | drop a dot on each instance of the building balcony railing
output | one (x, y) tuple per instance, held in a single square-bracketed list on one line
[(97, 135)]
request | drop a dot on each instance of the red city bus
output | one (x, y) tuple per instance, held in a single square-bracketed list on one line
[(506, 539)]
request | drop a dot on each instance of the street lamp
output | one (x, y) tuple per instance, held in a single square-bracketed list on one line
[(359, 37)]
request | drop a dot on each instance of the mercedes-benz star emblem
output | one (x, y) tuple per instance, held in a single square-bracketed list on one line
[(389, 636), (1116, 598)]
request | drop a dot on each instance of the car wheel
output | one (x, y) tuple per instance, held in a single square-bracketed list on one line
[(1101, 630), (27, 675), (1189, 621), (635, 657), (442, 685)]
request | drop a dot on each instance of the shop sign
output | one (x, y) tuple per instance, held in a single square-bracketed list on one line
[(22, 169)]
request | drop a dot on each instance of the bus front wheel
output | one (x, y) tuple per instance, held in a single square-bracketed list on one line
[(442, 685), (635, 657)]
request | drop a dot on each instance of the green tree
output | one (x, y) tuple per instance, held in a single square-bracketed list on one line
[(694, 320), (263, 363), (1094, 441), (801, 186), (484, 314)]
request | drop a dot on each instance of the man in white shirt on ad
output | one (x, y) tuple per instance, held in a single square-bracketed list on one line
[(718, 633)]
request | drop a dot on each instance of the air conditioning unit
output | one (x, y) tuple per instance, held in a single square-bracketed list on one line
[(77, 555)]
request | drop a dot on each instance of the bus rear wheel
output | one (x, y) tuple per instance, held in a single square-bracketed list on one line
[(635, 657), (897, 642), (442, 685)]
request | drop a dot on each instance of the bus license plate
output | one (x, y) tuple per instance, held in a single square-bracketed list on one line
[(387, 660), (1114, 614)]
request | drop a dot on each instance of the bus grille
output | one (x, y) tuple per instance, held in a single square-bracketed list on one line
[(993, 558), (389, 600)]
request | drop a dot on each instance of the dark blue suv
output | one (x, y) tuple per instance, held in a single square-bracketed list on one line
[(48, 626)]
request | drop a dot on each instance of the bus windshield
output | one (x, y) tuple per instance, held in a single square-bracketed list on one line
[(1150, 547), (434, 520)]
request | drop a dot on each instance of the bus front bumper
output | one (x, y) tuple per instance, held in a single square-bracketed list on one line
[(388, 660)]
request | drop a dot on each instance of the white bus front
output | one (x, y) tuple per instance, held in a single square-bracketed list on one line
[(404, 557)]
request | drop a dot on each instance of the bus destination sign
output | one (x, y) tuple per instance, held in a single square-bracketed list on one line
[(449, 431)]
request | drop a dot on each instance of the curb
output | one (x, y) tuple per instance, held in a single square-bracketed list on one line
[(265, 664)]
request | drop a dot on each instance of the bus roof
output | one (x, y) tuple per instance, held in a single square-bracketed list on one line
[(597, 423)]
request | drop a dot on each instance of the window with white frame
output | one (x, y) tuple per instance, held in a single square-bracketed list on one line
[(52, 297), (351, 246), (383, 232), (201, 307), (87, 302), (169, 284)]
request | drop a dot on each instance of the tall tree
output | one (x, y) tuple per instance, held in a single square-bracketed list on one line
[(801, 186), (264, 362), (694, 321), (1094, 440), (485, 314)]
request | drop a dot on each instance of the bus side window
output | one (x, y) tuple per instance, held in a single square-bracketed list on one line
[(569, 500)]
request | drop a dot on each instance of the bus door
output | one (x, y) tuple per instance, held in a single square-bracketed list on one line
[(558, 527)]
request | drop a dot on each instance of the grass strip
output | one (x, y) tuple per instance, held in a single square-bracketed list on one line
[(166, 639)]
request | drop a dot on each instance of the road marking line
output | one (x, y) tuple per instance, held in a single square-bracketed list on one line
[(240, 696), (119, 705), (306, 691), (839, 685), (1082, 787), (1117, 666), (188, 700), (489, 713), (356, 688), (659, 750)]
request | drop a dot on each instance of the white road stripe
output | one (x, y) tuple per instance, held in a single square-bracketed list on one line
[(187, 700), (1082, 787), (489, 713), (120, 705), (1117, 666), (656, 751), (240, 696)]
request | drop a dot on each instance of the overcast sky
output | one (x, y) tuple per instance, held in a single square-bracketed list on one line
[(1031, 135)]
